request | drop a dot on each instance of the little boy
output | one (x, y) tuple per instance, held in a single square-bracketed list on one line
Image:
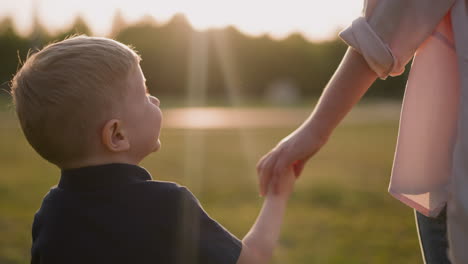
[(83, 105)]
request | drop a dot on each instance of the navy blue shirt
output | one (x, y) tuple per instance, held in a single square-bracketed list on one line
[(115, 213)]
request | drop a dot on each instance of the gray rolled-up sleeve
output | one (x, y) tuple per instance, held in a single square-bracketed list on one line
[(390, 31)]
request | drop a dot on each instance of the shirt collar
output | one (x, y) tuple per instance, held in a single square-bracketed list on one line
[(102, 176)]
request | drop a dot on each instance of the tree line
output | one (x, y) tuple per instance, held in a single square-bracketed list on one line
[(177, 57)]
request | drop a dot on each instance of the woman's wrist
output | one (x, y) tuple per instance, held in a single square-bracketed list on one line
[(317, 131)]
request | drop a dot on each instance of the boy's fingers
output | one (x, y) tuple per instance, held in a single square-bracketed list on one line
[(265, 180), (279, 171), (274, 185)]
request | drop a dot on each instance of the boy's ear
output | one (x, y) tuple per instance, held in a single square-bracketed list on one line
[(114, 137)]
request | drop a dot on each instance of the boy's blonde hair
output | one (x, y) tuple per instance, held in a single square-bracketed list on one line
[(65, 92)]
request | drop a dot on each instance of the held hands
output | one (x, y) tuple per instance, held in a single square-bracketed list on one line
[(285, 185), (290, 154)]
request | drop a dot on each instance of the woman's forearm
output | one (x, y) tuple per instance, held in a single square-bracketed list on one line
[(351, 80)]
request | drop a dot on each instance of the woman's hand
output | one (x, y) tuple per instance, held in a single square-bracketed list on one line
[(293, 151)]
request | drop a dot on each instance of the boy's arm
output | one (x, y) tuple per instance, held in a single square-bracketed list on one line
[(260, 241)]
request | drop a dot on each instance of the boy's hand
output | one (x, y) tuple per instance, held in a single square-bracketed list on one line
[(283, 185)]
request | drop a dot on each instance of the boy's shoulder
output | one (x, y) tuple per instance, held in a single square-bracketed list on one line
[(162, 186), (172, 193), (166, 188)]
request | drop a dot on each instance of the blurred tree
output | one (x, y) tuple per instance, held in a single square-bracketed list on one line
[(13, 49), (78, 27), (166, 50), (118, 24), (39, 35)]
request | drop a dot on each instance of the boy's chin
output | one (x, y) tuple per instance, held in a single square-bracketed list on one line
[(157, 146)]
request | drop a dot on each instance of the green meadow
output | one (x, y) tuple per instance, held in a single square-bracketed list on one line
[(340, 211)]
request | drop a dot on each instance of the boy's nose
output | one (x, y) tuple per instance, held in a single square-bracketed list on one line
[(155, 100)]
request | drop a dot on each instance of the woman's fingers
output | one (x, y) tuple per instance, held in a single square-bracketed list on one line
[(260, 173), (259, 166), (298, 166), (264, 170)]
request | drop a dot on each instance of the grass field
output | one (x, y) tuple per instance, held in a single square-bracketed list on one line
[(340, 212)]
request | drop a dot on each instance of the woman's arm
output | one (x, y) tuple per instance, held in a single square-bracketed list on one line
[(351, 80), (349, 83), (346, 87)]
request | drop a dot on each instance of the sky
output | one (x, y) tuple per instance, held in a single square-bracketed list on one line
[(315, 19)]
